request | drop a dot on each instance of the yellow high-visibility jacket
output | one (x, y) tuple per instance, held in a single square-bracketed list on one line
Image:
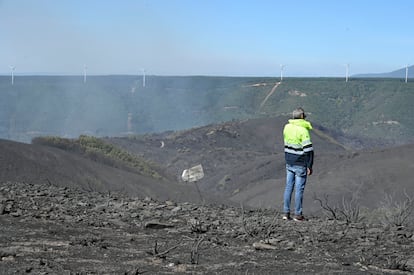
[(298, 144)]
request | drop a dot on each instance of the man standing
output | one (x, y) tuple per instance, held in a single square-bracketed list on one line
[(299, 161)]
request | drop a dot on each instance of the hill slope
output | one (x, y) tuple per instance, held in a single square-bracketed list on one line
[(120, 105), (244, 163), (375, 108), (43, 164)]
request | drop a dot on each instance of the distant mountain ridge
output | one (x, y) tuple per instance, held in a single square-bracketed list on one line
[(400, 73)]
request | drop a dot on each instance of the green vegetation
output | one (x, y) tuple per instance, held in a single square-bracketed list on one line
[(65, 106), (98, 150), (375, 108)]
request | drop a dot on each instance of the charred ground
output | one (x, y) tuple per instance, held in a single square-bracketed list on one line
[(59, 230)]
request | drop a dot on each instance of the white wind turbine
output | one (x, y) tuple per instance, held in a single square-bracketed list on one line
[(347, 72), (143, 78), (84, 73), (129, 123), (282, 67), (12, 68), (406, 73)]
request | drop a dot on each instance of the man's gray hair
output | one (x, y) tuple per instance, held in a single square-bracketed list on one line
[(298, 113)]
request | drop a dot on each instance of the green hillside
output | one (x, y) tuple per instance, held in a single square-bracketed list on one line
[(376, 108), (65, 106)]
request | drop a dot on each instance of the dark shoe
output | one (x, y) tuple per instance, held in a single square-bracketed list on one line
[(286, 217), (299, 218)]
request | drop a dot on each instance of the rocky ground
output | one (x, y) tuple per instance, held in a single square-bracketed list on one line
[(57, 230)]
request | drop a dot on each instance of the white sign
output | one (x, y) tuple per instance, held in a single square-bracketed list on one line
[(193, 174)]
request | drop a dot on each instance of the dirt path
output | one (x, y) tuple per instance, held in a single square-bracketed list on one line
[(269, 95), (318, 132)]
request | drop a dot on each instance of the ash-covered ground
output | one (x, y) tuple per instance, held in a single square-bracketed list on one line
[(58, 230)]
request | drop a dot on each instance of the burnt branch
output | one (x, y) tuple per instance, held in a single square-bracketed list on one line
[(351, 211), (248, 232), (398, 213), (163, 254), (331, 211), (271, 227), (195, 255)]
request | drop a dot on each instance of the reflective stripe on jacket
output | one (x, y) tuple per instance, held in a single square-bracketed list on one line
[(298, 144)]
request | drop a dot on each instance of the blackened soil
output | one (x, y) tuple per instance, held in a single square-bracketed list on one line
[(56, 230)]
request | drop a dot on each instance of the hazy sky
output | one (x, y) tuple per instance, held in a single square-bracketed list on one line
[(206, 37)]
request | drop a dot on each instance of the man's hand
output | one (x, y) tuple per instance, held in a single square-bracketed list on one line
[(309, 170)]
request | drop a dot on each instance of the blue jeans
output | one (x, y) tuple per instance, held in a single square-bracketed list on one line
[(295, 179)]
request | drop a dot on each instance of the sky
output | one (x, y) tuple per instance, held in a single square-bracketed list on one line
[(205, 37)]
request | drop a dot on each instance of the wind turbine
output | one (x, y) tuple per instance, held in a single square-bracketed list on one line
[(347, 72), (143, 78), (282, 67), (406, 73), (84, 73), (129, 123), (12, 68)]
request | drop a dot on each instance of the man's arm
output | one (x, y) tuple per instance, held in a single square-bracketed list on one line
[(309, 162)]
